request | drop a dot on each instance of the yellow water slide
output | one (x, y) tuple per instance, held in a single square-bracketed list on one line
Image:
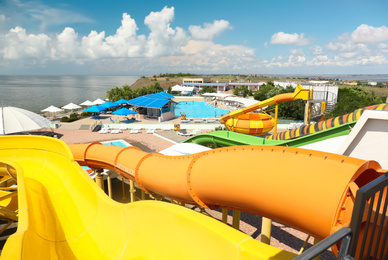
[(64, 215), (242, 121)]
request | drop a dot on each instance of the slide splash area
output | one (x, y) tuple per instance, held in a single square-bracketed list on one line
[(62, 213), (242, 121)]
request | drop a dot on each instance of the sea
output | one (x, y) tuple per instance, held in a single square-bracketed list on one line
[(36, 93)]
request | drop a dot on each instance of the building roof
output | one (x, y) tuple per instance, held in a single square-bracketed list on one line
[(244, 101), (182, 88), (145, 101), (160, 95)]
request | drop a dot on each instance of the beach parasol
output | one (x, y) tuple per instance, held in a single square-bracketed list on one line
[(124, 112), (98, 101), (109, 104), (71, 106), (87, 103), (121, 101), (95, 109), (15, 120), (52, 109)]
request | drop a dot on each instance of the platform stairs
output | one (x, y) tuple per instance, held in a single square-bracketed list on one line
[(319, 97)]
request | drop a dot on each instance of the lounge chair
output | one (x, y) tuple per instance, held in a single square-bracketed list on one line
[(151, 130), (168, 128), (134, 131)]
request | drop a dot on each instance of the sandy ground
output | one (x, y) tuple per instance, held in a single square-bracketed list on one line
[(84, 136)]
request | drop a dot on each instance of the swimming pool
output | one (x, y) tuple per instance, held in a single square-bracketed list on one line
[(121, 143), (198, 109)]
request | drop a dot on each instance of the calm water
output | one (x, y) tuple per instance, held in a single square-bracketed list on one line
[(198, 109), (35, 93)]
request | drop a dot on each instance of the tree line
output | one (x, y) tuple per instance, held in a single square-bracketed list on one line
[(127, 93)]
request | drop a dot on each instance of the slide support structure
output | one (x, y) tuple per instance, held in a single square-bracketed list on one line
[(123, 187), (225, 216), (266, 229), (99, 179), (236, 219), (276, 119), (110, 186), (132, 190)]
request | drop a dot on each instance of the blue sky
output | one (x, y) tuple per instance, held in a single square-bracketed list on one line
[(212, 37)]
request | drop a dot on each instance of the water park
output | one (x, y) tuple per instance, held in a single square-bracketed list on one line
[(327, 179)]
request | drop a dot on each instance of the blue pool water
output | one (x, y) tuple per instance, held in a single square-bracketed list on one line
[(116, 143), (198, 109)]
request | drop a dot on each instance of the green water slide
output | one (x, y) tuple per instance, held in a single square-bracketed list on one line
[(228, 138)]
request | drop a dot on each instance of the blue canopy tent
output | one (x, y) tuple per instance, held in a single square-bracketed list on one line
[(109, 104), (95, 109), (124, 112), (121, 101)]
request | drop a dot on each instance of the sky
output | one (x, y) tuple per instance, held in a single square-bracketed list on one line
[(54, 37)]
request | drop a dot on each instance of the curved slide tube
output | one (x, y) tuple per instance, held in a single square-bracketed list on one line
[(327, 124), (228, 138), (64, 215), (308, 190), (241, 121)]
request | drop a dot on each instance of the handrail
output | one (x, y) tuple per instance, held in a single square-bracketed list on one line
[(95, 124)]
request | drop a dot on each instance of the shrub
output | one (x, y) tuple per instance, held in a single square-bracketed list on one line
[(85, 114), (65, 119)]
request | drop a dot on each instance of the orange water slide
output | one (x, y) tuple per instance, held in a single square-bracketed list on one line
[(242, 121), (308, 190)]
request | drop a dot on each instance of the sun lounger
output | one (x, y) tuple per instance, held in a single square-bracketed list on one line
[(197, 121), (151, 131), (103, 131)]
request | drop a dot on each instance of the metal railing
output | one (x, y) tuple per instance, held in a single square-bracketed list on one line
[(369, 221), (94, 125)]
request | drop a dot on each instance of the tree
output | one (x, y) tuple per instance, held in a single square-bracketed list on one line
[(352, 98), (207, 89), (242, 91), (288, 110), (267, 91)]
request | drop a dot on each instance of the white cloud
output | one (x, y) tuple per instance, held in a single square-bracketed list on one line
[(126, 42), (20, 45), (67, 47), (2, 18), (367, 34), (164, 47), (163, 40), (32, 13), (316, 50), (286, 38), (210, 30)]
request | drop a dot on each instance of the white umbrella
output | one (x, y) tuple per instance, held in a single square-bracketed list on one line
[(98, 101), (15, 120), (87, 103), (71, 106), (51, 109)]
